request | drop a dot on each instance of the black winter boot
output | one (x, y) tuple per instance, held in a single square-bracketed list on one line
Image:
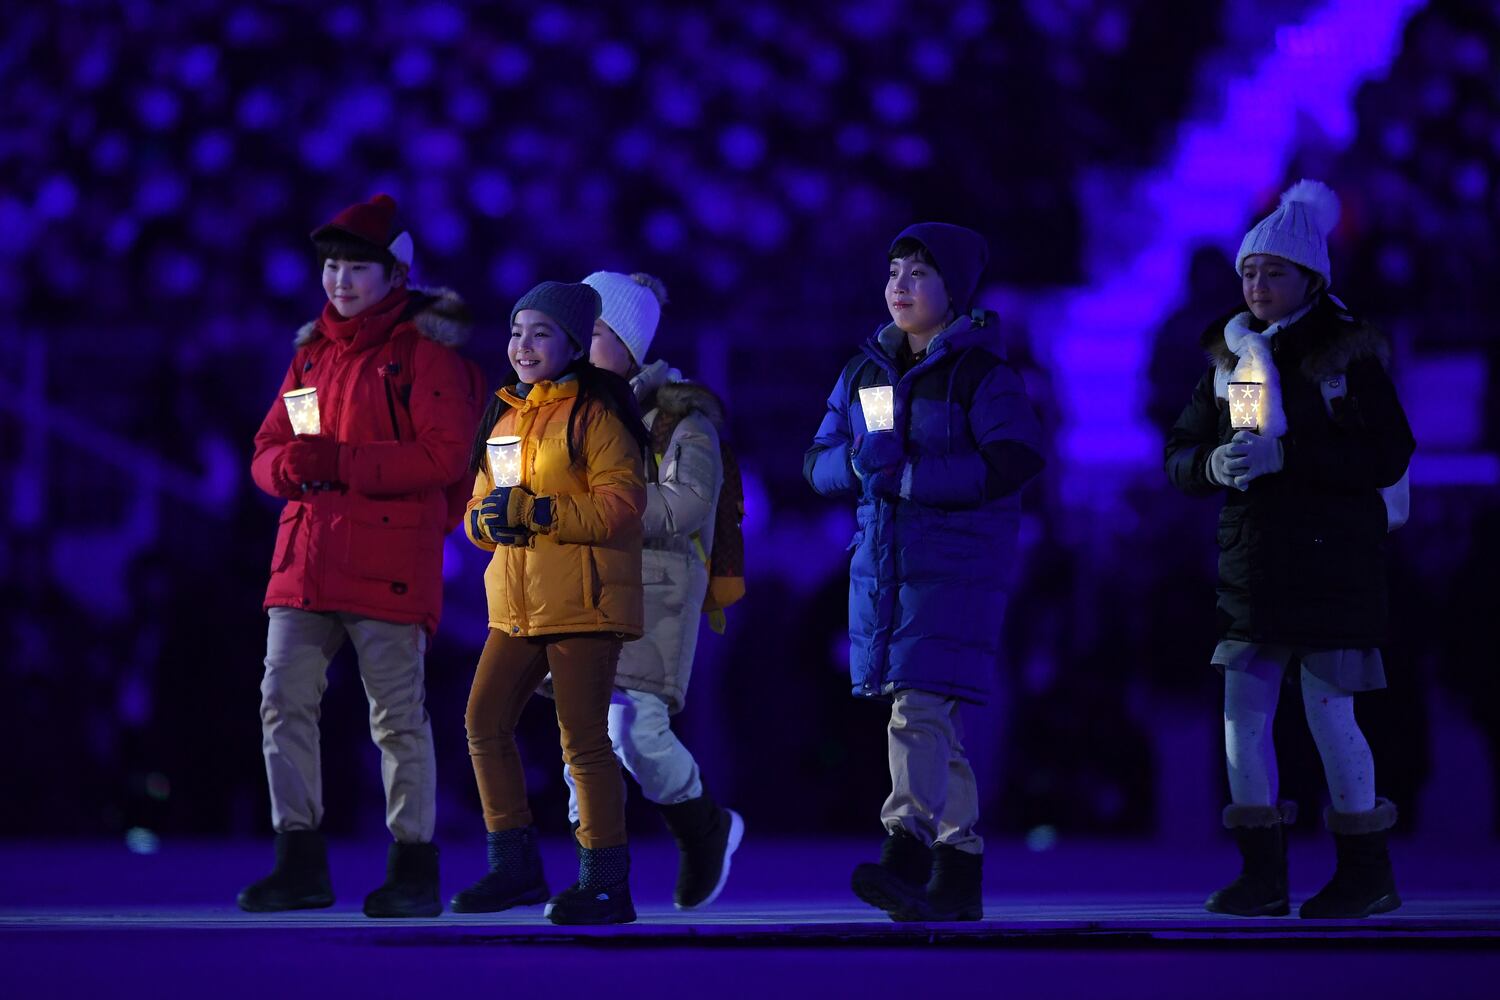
[(298, 882), (898, 882), (1261, 889), (411, 884), (515, 876), (707, 836), (955, 891), (602, 893), (1363, 883)]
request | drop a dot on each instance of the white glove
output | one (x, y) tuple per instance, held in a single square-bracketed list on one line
[(1222, 469)]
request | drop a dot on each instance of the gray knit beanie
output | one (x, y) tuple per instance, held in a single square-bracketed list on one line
[(574, 307)]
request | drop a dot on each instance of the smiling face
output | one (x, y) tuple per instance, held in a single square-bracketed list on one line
[(916, 297), (608, 351), (355, 285), (1274, 287), (539, 350)]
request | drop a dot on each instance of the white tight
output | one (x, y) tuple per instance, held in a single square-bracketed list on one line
[(1250, 709)]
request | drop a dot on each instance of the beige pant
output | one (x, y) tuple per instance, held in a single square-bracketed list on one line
[(299, 646), (933, 793)]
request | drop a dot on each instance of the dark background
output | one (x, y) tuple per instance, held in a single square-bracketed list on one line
[(161, 164)]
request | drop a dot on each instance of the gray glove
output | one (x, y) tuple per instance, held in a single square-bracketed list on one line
[(1255, 456), (1222, 468)]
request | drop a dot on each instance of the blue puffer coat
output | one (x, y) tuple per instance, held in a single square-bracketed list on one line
[(927, 584)]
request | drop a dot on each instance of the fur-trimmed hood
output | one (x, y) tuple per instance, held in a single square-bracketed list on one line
[(678, 399), (1330, 338), (439, 314), (660, 386)]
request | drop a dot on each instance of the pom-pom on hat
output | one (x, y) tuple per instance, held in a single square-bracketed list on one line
[(1298, 229), (960, 254), (632, 307), (373, 222), (572, 307)]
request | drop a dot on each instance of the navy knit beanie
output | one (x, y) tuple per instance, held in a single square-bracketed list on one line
[(959, 253), (572, 307)]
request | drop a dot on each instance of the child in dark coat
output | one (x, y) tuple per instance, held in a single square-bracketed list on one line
[(938, 515), (1297, 427)]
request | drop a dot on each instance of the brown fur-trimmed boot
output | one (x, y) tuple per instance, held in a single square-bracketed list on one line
[(1261, 889), (1363, 883)]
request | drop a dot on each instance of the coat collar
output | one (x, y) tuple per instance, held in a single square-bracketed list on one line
[(439, 314), (960, 333), (539, 394), (1322, 342)]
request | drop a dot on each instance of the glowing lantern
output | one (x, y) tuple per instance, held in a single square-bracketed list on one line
[(302, 408), (505, 460), (878, 404), (1244, 405)]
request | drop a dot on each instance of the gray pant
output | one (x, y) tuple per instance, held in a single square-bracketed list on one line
[(641, 731), (299, 646), (933, 793)]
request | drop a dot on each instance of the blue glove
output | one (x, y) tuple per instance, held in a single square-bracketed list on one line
[(1254, 456), (494, 510), (886, 483), (878, 451), (491, 519)]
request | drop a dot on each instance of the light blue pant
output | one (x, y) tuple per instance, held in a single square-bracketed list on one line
[(641, 731)]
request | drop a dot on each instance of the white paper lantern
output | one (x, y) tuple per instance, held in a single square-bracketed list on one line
[(1244, 405), (505, 460), (302, 408), (878, 404)]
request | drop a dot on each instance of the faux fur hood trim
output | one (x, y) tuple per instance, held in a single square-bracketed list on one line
[(1382, 817), (678, 399), (1334, 337), (439, 314)]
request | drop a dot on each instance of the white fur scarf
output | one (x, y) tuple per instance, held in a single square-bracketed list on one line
[(1256, 365)]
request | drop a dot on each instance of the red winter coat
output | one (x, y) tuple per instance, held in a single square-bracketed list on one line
[(375, 547)]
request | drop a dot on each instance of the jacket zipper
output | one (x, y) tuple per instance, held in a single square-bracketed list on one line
[(390, 403)]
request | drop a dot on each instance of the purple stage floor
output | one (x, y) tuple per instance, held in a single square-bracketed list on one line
[(1109, 919)]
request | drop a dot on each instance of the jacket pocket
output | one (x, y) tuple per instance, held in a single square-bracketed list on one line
[(384, 539), (286, 532), (1229, 530), (590, 576)]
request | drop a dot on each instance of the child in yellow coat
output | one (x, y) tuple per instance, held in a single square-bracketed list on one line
[(564, 592)]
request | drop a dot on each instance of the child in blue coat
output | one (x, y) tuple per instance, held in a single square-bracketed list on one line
[(938, 515)]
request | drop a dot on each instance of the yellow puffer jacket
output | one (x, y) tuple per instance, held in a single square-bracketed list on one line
[(583, 573)]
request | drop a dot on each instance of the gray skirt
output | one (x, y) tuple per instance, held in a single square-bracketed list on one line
[(1347, 669)]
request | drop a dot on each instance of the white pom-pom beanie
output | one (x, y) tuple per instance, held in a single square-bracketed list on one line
[(1298, 229), (632, 307)]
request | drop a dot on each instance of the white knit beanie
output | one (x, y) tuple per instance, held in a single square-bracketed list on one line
[(1298, 229), (632, 307)]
